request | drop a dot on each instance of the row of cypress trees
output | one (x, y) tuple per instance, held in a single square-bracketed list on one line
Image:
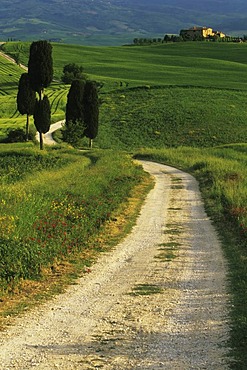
[(82, 112), (82, 109)]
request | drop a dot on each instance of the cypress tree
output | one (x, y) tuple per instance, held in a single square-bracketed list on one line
[(91, 111), (74, 106), (42, 117), (82, 112), (25, 99), (40, 66), (40, 71), (74, 116)]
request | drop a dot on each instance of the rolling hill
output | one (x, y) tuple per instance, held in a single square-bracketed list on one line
[(173, 94), (115, 22)]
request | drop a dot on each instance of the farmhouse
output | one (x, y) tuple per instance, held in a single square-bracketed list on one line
[(195, 33)]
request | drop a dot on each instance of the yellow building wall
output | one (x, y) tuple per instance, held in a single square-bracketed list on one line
[(207, 32)]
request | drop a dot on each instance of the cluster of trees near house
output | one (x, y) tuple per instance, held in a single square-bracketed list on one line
[(178, 38), (82, 108)]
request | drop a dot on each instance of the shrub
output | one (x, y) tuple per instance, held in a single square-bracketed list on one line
[(15, 135)]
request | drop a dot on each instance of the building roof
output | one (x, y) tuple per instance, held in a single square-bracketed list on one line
[(199, 28)]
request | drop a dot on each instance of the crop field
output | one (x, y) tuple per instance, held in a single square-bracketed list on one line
[(9, 73), (57, 94)]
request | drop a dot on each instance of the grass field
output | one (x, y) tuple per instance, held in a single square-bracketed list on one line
[(181, 104), (201, 94), (199, 64), (173, 116)]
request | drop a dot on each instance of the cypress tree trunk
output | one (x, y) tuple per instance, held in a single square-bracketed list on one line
[(41, 144), (41, 94), (91, 110), (42, 117), (27, 127)]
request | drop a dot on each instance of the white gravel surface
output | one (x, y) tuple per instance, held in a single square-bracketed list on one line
[(103, 322), (48, 138)]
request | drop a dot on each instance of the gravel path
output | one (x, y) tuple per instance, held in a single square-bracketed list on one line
[(6, 56), (47, 138), (158, 301)]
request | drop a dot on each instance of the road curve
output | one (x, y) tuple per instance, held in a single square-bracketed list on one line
[(48, 138), (157, 301)]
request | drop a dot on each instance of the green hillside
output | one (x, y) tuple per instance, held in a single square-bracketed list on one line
[(213, 112), (176, 94), (221, 65)]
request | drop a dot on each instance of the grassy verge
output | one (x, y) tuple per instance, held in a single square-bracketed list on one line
[(30, 292), (222, 174), (58, 209)]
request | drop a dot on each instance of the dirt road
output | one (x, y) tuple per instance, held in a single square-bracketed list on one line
[(158, 301), (47, 138), (6, 56)]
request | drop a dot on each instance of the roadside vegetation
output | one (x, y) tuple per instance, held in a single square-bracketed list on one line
[(47, 215), (180, 104)]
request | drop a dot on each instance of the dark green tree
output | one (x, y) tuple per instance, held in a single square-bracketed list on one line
[(91, 111), (40, 66), (25, 99), (73, 132), (72, 72), (40, 71), (82, 112), (74, 116), (167, 38), (42, 117), (74, 106)]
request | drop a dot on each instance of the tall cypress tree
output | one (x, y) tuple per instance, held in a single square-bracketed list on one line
[(40, 71), (74, 106), (40, 66), (42, 117), (91, 111), (25, 99), (74, 117)]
